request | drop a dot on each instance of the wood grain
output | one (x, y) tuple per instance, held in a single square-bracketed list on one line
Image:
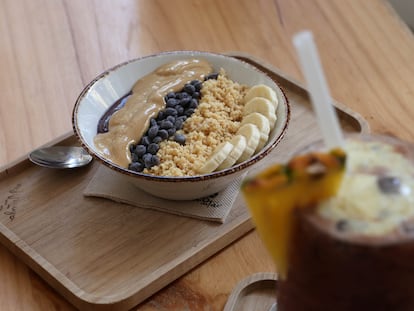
[(51, 48), (77, 244), (256, 292)]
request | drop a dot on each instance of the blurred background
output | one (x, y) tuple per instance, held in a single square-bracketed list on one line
[(405, 8)]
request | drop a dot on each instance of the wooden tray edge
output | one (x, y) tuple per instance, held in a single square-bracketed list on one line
[(83, 300), (252, 280)]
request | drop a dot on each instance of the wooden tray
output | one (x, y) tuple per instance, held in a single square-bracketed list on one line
[(110, 256), (255, 293)]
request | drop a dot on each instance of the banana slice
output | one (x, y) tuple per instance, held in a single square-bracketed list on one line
[(262, 124), (217, 157), (262, 106), (239, 143), (252, 135), (264, 91)]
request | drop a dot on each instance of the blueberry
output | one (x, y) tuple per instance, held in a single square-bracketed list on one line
[(153, 131), (163, 134), (171, 131), (180, 138), (185, 101), (178, 123), (140, 150), (157, 139), (153, 122), (170, 95), (188, 112), (198, 86), (155, 160), (131, 148), (189, 88), (148, 163), (161, 115), (165, 125), (212, 76), (171, 119), (170, 111), (171, 102), (194, 82), (136, 167), (389, 184), (181, 119), (182, 95), (147, 160), (146, 156), (153, 148), (145, 141), (341, 225), (193, 103), (151, 160), (134, 157), (180, 110), (196, 95)]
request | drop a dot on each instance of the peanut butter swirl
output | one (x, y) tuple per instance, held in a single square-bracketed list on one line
[(128, 124)]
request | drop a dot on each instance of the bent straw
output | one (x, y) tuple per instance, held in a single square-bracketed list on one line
[(318, 89)]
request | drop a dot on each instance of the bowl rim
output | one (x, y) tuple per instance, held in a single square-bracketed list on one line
[(213, 175)]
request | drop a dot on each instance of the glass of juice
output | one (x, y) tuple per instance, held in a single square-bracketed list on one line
[(339, 225)]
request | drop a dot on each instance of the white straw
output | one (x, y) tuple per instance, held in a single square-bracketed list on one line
[(318, 89)]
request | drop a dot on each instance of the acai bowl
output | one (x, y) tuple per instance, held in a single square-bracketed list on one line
[(226, 116)]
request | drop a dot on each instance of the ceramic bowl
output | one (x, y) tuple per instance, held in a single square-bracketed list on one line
[(114, 83)]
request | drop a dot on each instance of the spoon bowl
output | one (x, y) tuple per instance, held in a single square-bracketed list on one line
[(60, 157)]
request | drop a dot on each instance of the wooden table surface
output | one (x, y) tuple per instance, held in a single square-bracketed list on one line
[(50, 49)]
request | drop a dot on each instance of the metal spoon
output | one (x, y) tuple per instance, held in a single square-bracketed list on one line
[(60, 157)]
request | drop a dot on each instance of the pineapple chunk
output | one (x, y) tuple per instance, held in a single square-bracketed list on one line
[(301, 183)]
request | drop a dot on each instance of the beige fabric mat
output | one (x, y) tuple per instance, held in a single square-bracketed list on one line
[(110, 185)]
